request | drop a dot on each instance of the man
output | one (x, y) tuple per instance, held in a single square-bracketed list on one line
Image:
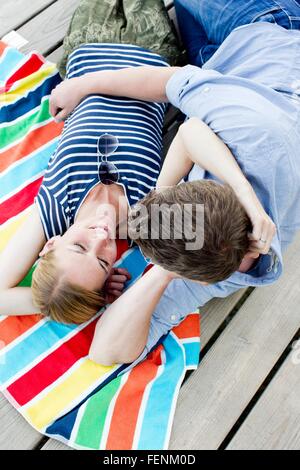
[(248, 94)]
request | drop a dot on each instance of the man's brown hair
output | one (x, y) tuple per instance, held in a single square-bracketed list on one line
[(59, 299), (225, 239)]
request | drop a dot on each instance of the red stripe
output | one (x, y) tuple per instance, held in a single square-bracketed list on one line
[(147, 268), (20, 201), (190, 326), (33, 64), (3, 46), (53, 366), (128, 403), (122, 246)]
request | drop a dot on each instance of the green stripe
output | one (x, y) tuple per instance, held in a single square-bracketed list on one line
[(92, 422), (27, 279), (16, 131)]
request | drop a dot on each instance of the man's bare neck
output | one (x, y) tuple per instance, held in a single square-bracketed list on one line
[(246, 264)]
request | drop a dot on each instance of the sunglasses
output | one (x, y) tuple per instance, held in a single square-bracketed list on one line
[(108, 173)]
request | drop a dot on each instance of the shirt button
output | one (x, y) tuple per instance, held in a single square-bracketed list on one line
[(173, 317), (206, 89)]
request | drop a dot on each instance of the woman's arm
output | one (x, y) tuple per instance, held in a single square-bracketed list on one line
[(143, 83), (122, 331), (15, 261)]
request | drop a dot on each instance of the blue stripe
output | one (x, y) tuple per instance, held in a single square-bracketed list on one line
[(88, 65), (112, 115), (113, 128), (63, 426), (135, 263), (95, 61), (131, 116), (10, 60), (133, 122), (192, 351), (31, 101), (38, 342), (26, 170), (118, 103), (159, 404)]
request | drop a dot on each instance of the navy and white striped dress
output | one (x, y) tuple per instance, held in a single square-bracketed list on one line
[(73, 169)]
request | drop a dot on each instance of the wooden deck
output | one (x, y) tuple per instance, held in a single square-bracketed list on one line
[(245, 394)]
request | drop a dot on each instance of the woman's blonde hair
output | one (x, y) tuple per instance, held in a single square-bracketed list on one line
[(59, 299)]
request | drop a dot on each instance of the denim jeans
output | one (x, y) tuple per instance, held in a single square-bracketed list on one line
[(204, 24)]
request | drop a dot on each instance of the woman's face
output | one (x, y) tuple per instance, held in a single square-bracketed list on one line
[(86, 252)]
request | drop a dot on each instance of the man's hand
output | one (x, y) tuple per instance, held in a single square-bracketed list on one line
[(264, 228), (65, 97), (115, 283)]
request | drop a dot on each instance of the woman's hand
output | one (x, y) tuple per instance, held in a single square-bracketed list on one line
[(115, 283), (65, 97), (264, 228)]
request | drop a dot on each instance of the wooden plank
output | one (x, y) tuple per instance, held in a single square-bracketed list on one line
[(215, 312), (14, 13), (48, 28), (52, 444), (16, 433), (213, 398), (55, 55), (274, 422), (168, 3), (173, 17)]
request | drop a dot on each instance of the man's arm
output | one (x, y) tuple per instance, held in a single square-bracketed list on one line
[(147, 83), (154, 307), (122, 330), (196, 143)]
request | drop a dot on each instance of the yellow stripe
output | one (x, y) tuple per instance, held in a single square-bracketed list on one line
[(42, 413), (10, 227), (23, 86)]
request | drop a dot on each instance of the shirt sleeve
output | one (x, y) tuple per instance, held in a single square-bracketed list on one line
[(53, 218), (187, 81), (237, 109)]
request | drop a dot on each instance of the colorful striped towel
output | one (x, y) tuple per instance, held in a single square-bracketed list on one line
[(44, 367)]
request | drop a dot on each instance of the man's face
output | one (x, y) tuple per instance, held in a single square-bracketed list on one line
[(86, 252)]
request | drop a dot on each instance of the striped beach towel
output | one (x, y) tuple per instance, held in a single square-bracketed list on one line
[(45, 372)]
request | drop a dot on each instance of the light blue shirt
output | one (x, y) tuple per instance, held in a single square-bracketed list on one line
[(249, 95)]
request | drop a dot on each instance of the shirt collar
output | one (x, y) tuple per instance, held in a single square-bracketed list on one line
[(268, 269)]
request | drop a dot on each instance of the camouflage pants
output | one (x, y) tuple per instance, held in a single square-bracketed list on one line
[(143, 23)]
